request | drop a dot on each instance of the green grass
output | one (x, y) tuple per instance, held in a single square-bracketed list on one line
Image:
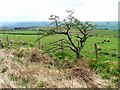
[(88, 50), (107, 32)]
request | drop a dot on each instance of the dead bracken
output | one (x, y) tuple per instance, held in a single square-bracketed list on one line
[(35, 74)]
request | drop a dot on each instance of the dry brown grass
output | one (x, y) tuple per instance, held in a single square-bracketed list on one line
[(34, 72), (83, 72)]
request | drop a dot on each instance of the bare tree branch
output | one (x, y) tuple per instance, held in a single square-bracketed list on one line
[(67, 25), (70, 48)]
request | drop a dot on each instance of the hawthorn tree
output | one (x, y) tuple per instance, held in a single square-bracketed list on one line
[(72, 27)]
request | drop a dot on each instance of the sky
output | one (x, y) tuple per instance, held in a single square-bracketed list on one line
[(40, 10)]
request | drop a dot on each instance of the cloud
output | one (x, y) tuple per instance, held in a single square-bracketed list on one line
[(71, 3), (36, 10)]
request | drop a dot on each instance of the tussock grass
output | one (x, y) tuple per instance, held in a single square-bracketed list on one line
[(37, 74)]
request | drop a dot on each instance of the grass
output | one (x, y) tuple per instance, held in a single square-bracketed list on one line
[(13, 77), (108, 51), (34, 74), (88, 50), (108, 33)]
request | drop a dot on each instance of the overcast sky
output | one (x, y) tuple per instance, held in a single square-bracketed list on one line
[(40, 10)]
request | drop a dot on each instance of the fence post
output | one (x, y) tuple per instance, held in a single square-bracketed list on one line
[(96, 50), (7, 40), (20, 42), (62, 46), (39, 42)]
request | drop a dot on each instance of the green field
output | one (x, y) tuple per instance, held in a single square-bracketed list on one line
[(107, 42), (108, 50)]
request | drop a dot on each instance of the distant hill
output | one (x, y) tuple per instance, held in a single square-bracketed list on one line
[(107, 25), (101, 25), (23, 24)]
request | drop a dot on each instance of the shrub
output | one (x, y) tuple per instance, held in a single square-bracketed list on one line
[(65, 64), (63, 55), (106, 76), (35, 55), (107, 68)]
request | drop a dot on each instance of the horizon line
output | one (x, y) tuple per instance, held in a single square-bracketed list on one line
[(51, 21)]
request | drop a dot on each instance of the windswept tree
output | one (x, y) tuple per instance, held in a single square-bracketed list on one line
[(81, 31)]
